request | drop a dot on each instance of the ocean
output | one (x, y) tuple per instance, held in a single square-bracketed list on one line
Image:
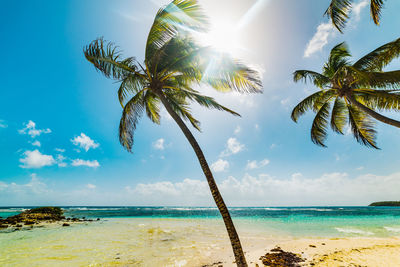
[(181, 236)]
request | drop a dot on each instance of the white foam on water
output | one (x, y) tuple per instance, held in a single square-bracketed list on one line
[(392, 229), (353, 231)]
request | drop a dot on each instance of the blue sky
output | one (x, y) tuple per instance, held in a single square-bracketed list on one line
[(59, 117)]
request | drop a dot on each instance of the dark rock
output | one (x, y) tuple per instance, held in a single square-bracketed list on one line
[(36, 215), (18, 225), (98, 219), (65, 224), (312, 246), (279, 258), (3, 225)]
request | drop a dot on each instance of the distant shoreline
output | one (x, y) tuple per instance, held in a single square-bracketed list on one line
[(385, 204)]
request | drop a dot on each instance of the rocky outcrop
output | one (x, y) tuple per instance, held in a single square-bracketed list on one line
[(37, 216)]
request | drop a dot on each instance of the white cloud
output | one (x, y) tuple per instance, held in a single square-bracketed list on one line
[(159, 144), (88, 163), (91, 186), (60, 161), (357, 8), (237, 130), (265, 190), (220, 165), (325, 31), (285, 102), (30, 128), (3, 124), (59, 150), (34, 159), (36, 143), (233, 146), (33, 186), (360, 168), (254, 164), (84, 142)]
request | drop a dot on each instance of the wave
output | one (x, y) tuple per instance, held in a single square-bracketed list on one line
[(102, 209), (13, 210), (392, 229), (353, 231)]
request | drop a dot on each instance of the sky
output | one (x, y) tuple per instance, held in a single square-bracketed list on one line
[(59, 117)]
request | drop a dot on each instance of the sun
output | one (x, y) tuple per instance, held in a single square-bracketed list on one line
[(223, 36)]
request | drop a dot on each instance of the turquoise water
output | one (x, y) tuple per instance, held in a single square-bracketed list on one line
[(286, 221)]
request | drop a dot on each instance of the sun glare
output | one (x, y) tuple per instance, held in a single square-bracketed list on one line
[(222, 36)]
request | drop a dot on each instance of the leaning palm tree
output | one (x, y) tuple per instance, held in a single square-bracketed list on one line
[(339, 11), (356, 91), (174, 64)]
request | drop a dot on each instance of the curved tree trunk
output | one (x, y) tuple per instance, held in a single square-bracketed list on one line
[(372, 113), (234, 238)]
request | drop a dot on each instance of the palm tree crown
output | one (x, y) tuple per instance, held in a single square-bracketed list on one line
[(174, 64), (339, 11), (350, 93)]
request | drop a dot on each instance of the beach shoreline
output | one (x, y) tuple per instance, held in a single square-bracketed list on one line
[(183, 242)]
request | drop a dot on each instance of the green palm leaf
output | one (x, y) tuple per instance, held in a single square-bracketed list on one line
[(379, 99), (339, 116), (316, 78), (225, 74), (152, 104), (305, 105), (320, 125), (131, 114), (362, 127), (178, 16), (380, 57), (106, 59), (376, 7), (339, 11)]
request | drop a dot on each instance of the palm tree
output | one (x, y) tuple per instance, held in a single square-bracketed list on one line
[(356, 91), (174, 63), (339, 11)]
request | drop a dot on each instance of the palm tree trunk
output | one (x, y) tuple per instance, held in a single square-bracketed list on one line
[(234, 238), (372, 113)]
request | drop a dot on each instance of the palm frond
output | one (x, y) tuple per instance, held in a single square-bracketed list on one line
[(204, 101), (105, 57), (339, 115), (380, 57), (178, 16), (338, 11), (379, 99), (320, 125), (181, 107), (131, 84), (362, 127), (376, 7), (225, 74), (131, 114), (384, 80), (316, 78), (305, 105), (326, 96), (152, 104)]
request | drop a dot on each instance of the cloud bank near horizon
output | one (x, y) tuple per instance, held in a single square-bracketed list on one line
[(331, 189)]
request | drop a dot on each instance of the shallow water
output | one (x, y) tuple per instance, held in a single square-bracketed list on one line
[(181, 236)]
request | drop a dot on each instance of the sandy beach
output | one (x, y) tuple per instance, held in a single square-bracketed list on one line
[(339, 251), (182, 242)]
